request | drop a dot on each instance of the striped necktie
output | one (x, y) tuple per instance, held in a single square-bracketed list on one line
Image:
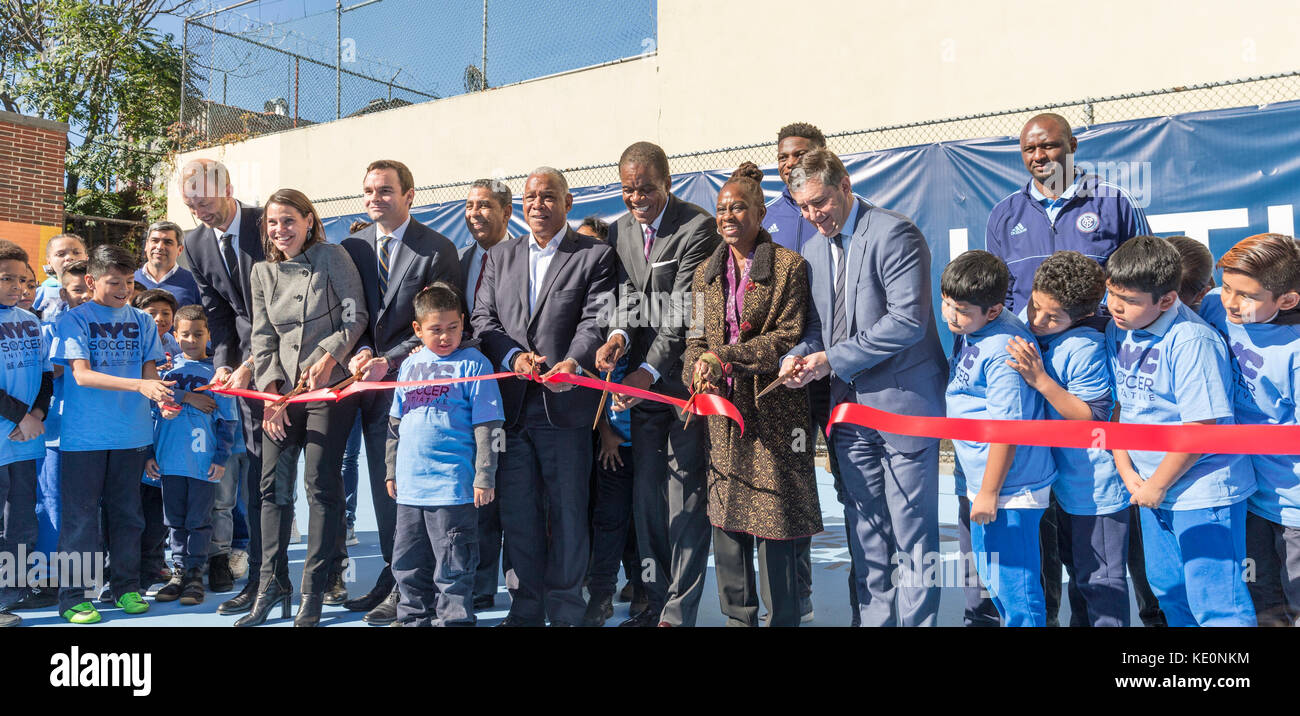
[(839, 322), (384, 256)]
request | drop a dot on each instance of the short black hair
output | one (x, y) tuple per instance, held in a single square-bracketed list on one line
[(192, 312), (144, 299), (598, 225), (1074, 280), (650, 155), (9, 251), (107, 257), (439, 296), (1146, 263), (802, 129), (76, 269), (976, 277)]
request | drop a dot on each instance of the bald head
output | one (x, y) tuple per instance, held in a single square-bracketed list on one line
[(1047, 147), (207, 192)]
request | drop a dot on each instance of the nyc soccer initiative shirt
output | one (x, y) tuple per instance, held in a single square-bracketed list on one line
[(23, 358)]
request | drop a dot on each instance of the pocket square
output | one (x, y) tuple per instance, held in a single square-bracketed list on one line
[(663, 263)]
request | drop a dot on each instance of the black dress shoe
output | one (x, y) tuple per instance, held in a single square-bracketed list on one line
[(220, 578), (625, 594), (386, 612), (484, 601), (647, 618), (308, 611), (266, 601), (369, 600), (599, 610), (514, 621), (639, 601), (241, 602), (559, 623), (336, 592), (35, 598)]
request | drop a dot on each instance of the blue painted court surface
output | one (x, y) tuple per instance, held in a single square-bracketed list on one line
[(830, 557)]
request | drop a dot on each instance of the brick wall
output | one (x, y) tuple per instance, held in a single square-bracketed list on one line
[(31, 181)]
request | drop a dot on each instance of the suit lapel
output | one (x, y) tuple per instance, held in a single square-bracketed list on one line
[(632, 251), (563, 252), (857, 249)]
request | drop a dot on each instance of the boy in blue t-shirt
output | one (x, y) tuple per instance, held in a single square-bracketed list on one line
[(1170, 367), (26, 383), (1068, 365), (1255, 312), (190, 452), (60, 251), (161, 306), (111, 351), (611, 508), (441, 466), (1008, 485)]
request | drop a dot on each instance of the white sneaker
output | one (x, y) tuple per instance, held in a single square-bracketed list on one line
[(238, 563), (294, 536), (352, 540)]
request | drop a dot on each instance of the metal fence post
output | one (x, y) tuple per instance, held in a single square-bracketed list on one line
[(483, 66), (185, 62), (338, 62)]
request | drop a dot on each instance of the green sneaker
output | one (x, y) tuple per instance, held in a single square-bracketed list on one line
[(84, 613), (132, 603)]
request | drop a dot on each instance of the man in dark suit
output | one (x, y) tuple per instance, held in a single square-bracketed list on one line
[(221, 253), (660, 242), (397, 257), (538, 310), (487, 216)]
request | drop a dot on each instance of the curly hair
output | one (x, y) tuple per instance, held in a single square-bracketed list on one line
[(749, 178), (1073, 280)]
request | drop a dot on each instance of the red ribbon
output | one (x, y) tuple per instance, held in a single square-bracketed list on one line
[(1199, 439), (704, 404)]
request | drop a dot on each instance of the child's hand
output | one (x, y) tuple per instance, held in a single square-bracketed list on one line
[(1131, 479), (169, 410), (482, 496), (151, 468), (609, 457), (984, 509), (29, 428), (202, 401), (1026, 361), (392, 490), (215, 472), (1148, 495), (159, 391)]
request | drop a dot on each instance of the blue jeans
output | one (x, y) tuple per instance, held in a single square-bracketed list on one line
[(1008, 561), (1195, 564), (47, 502), (351, 455)]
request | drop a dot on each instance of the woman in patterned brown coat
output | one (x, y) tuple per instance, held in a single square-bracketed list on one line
[(762, 491)]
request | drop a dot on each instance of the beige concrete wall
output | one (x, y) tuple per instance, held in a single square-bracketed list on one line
[(845, 64)]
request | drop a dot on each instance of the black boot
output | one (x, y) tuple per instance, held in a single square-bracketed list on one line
[(220, 579), (243, 601), (275, 593), (308, 610), (192, 591), (336, 592)]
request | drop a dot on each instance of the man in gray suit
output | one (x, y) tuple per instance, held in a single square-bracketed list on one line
[(396, 257), (660, 242), (487, 216), (538, 311), (873, 331)]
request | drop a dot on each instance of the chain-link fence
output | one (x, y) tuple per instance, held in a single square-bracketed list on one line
[(250, 78), (1253, 91)]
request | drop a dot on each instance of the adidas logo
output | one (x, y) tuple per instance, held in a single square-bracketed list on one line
[(773, 228), (1019, 229)]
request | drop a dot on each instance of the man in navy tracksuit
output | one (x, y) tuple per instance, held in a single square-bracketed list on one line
[(1061, 209)]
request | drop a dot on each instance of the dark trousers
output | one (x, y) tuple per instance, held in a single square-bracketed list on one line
[(18, 495), (611, 513), (1148, 606), (187, 510), (435, 552), (1094, 549), (317, 432), (153, 539), (492, 557), (819, 403), (1276, 588), (733, 563), (980, 610), (251, 416), (542, 482), (373, 406), (670, 510), (1049, 549), (86, 477)]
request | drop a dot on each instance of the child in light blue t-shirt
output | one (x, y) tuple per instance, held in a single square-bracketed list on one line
[(1008, 485), (1069, 366), (441, 465), (1255, 312), (109, 351), (26, 384), (1171, 368), (191, 447)]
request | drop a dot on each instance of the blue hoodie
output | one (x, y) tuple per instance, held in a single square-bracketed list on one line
[(786, 224)]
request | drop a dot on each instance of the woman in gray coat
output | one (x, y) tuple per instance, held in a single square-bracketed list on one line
[(308, 312)]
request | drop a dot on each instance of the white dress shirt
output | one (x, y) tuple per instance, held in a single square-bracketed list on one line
[(539, 260)]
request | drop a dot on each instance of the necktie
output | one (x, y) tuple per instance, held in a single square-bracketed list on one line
[(839, 327), (482, 269), (232, 265), (383, 264), (649, 240)]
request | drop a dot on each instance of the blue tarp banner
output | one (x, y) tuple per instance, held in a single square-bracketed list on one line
[(1217, 176)]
